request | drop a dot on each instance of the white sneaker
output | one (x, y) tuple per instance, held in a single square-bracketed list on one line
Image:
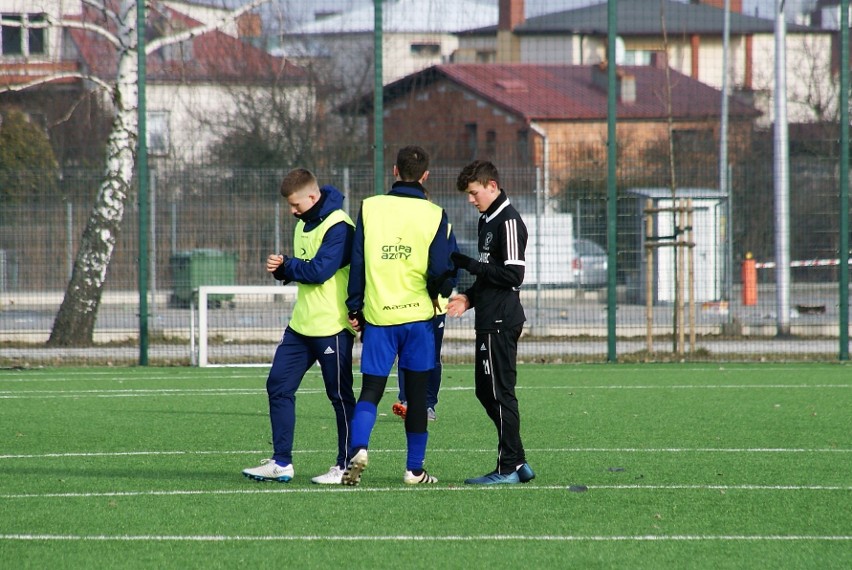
[(333, 477), (431, 415), (412, 479), (269, 470), (352, 475)]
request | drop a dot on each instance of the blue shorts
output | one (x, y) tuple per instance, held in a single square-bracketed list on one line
[(413, 343)]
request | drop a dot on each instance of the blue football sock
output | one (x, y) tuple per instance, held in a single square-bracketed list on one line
[(362, 424), (416, 450)]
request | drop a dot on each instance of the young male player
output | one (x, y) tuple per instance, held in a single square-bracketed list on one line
[(400, 264), (499, 273), (319, 330)]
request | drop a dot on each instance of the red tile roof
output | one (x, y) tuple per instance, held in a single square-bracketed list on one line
[(567, 92), (214, 56)]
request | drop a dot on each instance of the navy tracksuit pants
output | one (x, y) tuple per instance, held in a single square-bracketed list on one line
[(293, 358)]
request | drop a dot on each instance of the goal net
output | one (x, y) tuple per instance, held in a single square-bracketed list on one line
[(239, 325)]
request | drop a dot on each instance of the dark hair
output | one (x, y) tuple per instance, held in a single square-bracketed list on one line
[(481, 171), (297, 179), (411, 163)]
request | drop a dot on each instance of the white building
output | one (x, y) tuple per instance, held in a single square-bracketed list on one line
[(189, 85), (416, 34)]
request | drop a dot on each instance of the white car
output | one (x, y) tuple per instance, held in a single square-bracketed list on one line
[(589, 264)]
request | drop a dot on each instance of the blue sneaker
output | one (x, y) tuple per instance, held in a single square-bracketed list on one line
[(525, 473), (495, 478)]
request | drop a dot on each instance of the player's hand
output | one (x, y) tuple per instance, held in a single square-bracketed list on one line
[(457, 305), (274, 261), (356, 320)]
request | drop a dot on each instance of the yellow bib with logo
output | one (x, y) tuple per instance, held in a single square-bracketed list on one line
[(397, 234), (320, 307)]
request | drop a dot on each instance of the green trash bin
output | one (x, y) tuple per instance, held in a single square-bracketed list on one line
[(192, 269)]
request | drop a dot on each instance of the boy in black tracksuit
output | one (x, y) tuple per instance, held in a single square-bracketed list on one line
[(499, 272)]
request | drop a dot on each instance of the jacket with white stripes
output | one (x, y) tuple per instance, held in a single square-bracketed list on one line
[(495, 293)]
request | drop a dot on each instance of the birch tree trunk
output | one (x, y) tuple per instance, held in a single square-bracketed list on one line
[(75, 321)]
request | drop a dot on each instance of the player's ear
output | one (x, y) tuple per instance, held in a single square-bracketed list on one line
[(424, 177)]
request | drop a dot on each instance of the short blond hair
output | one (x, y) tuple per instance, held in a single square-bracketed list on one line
[(296, 180)]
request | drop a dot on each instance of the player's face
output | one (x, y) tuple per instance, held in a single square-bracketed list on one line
[(303, 200), (482, 196)]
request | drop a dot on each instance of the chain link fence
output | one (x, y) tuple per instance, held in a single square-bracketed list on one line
[(216, 225)]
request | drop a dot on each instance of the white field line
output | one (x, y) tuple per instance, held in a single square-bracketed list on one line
[(113, 377), (425, 538), (248, 391), (190, 453), (280, 489), (569, 369), (96, 374)]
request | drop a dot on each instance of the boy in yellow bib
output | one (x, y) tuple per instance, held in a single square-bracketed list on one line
[(400, 265), (319, 330)]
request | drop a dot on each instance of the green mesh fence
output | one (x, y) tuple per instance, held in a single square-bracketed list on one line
[(521, 84)]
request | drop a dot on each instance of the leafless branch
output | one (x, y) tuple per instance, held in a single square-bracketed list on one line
[(54, 77), (71, 109), (191, 33)]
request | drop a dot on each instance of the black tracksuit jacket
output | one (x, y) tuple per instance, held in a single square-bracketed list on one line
[(500, 272)]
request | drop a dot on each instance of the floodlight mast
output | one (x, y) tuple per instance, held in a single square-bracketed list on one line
[(782, 178)]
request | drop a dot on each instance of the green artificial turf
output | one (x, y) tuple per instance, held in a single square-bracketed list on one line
[(638, 466)]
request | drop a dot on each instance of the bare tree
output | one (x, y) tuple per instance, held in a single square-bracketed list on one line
[(277, 126), (114, 21)]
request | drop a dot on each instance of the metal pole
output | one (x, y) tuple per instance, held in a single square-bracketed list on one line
[(612, 188), (729, 250), (346, 192), (537, 245), (844, 180), (142, 165), (649, 278), (69, 237), (277, 226), (152, 250), (690, 245), (723, 134), (680, 261), (782, 181), (378, 103), (723, 140)]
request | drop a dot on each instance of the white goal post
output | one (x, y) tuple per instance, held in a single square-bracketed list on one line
[(238, 325)]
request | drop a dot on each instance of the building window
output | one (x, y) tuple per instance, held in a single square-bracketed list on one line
[(181, 51), (159, 136), (693, 140), (491, 143), (425, 49), (470, 136), (523, 144), (486, 56), (637, 57), (17, 38)]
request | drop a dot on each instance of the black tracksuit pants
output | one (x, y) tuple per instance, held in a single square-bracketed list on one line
[(496, 375)]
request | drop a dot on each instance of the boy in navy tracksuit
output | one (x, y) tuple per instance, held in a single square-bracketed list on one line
[(318, 330)]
